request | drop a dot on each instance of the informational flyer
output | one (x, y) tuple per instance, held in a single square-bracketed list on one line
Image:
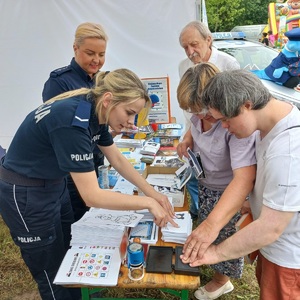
[(159, 92), (90, 265)]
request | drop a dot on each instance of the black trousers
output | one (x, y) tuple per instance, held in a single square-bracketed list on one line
[(39, 219)]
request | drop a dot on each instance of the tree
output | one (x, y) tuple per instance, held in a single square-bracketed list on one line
[(256, 12), (223, 15)]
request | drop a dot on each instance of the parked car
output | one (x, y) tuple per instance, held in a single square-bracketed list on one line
[(252, 32), (254, 56)]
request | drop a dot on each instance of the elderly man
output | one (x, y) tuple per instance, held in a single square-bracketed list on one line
[(244, 106), (196, 39)]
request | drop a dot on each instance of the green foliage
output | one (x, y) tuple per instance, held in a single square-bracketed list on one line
[(223, 15), (256, 12)]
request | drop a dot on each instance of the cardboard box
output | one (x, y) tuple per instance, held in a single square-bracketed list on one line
[(178, 197)]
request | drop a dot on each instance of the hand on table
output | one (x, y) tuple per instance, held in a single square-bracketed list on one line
[(210, 257), (165, 203), (162, 216), (198, 242)]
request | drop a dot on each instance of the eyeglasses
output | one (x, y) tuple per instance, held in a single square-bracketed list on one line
[(203, 112)]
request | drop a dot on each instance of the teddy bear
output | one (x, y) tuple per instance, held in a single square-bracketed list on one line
[(294, 6), (285, 68), (294, 10)]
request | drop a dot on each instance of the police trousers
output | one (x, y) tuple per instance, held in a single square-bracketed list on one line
[(39, 219)]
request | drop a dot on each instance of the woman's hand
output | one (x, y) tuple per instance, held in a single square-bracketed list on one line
[(198, 242), (164, 202), (161, 215), (187, 142)]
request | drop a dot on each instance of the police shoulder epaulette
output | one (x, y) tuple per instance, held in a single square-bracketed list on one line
[(60, 71), (82, 114)]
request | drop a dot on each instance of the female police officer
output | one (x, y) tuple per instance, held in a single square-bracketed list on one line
[(57, 139), (89, 57)]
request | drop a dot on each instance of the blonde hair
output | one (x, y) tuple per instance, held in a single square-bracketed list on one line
[(125, 86), (192, 84), (89, 30)]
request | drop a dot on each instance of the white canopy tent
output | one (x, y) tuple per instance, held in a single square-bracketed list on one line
[(36, 37)]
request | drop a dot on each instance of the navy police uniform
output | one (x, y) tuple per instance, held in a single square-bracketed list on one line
[(65, 79), (71, 77), (55, 139)]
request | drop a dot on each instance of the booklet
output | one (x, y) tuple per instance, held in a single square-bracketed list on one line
[(150, 148), (178, 234), (90, 265), (146, 230)]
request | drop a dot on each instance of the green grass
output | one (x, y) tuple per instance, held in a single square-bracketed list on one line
[(16, 281)]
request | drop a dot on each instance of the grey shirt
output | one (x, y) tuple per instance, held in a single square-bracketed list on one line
[(221, 153)]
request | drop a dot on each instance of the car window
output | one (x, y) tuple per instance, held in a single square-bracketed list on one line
[(252, 58)]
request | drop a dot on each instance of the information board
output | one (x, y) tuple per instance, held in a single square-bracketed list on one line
[(159, 91)]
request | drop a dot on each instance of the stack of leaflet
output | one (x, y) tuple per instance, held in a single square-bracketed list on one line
[(96, 253), (102, 227), (150, 148), (178, 235), (124, 143), (146, 230), (172, 161)]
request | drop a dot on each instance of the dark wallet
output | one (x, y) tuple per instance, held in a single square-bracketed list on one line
[(159, 260)]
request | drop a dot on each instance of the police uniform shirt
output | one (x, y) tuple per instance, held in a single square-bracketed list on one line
[(71, 77), (57, 138)]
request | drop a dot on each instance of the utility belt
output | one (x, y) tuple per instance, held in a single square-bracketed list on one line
[(18, 179)]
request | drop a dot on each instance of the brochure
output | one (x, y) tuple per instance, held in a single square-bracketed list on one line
[(150, 148), (146, 230), (90, 265), (195, 163)]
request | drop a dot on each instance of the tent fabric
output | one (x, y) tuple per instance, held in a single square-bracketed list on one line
[(37, 37)]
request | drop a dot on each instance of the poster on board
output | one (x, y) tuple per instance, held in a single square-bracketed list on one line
[(159, 92)]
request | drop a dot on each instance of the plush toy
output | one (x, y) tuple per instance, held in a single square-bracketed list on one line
[(293, 14), (285, 68)]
